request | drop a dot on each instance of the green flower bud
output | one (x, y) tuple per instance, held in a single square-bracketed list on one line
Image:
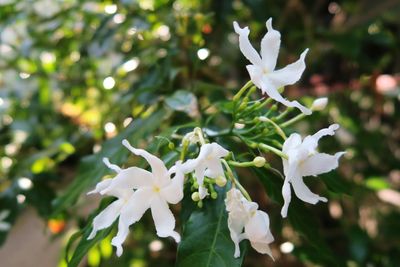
[(214, 195), (220, 181), (195, 196), (200, 204), (259, 161), (171, 145), (196, 185)]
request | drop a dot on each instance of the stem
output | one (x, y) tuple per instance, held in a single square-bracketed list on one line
[(284, 114), (235, 182), (242, 90), (276, 126), (241, 164), (272, 149), (293, 120)]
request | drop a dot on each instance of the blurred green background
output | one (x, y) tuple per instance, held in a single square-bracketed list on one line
[(74, 75)]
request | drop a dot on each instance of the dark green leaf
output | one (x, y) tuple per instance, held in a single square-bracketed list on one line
[(206, 240), (183, 101)]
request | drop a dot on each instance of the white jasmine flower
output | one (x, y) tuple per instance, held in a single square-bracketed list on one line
[(243, 214), (262, 69), (138, 190), (4, 226), (304, 160), (208, 163)]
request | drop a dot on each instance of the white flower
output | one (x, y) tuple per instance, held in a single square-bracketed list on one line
[(208, 163), (304, 160), (262, 69), (243, 214), (4, 226), (138, 190)]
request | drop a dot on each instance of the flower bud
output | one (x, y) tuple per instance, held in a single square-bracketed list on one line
[(259, 161), (200, 204), (214, 195), (171, 145), (220, 181), (195, 196), (319, 104)]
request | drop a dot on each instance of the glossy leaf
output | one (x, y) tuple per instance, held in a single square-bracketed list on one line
[(206, 241)]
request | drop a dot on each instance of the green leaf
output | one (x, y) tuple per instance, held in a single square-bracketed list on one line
[(91, 169), (336, 183), (206, 240), (183, 101)]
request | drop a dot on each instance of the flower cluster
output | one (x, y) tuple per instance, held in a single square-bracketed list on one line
[(136, 190)]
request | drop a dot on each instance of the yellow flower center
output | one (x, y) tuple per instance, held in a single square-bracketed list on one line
[(156, 189)]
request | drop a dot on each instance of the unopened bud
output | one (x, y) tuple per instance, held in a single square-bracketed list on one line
[(200, 204), (171, 145), (220, 181), (196, 185), (319, 104), (195, 196), (259, 161), (214, 195)]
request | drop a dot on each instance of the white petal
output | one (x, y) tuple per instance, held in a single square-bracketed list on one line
[(106, 218), (258, 232), (214, 168), (303, 192), (173, 193), (128, 179), (123, 231), (203, 192), (287, 196), (101, 186), (163, 219), (289, 74), (218, 151), (311, 141), (270, 45), (293, 141), (271, 89), (137, 205), (157, 165), (320, 163), (245, 46), (256, 74), (189, 166)]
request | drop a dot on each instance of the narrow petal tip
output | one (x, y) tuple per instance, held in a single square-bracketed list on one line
[(269, 24), (334, 127), (240, 31)]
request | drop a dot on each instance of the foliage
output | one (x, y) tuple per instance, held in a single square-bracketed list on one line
[(60, 113)]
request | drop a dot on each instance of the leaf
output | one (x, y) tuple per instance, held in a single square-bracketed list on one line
[(336, 183), (183, 101), (85, 245), (91, 169), (206, 240)]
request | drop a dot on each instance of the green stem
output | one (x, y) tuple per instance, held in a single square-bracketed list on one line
[(241, 164), (235, 182), (293, 120), (276, 126), (242, 90), (272, 149)]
